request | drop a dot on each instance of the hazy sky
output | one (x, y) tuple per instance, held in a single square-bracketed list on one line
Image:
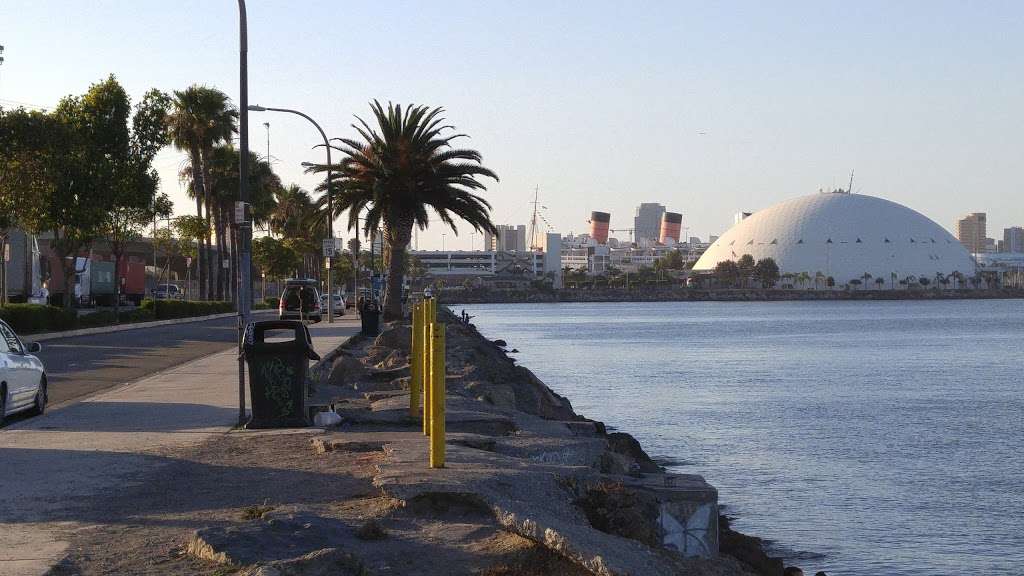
[(708, 108)]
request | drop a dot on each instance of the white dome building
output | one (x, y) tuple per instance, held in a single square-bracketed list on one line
[(844, 236)]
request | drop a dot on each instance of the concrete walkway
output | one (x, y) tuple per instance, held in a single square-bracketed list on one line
[(51, 466)]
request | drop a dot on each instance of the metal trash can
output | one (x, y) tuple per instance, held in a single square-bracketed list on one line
[(277, 374), (369, 315)]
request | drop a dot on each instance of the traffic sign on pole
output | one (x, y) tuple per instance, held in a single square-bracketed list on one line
[(241, 212)]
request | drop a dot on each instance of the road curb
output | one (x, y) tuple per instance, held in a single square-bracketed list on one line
[(122, 327)]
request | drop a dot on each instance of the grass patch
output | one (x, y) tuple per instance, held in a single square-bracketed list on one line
[(256, 511)]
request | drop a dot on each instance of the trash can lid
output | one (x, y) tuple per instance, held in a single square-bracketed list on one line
[(255, 333)]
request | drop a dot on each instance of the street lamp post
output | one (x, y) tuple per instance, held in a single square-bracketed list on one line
[(244, 229), (330, 202)]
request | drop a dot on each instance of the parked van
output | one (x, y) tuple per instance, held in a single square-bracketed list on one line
[(300, 300)]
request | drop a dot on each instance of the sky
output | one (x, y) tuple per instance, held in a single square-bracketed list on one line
[(708, 108)]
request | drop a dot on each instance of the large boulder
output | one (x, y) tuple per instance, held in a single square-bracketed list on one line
[(626, 445), (265, 539)]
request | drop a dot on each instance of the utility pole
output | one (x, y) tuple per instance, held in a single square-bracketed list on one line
[(244, 227)]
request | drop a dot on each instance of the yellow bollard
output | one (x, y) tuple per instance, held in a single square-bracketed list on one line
[(415, 361), (437, 395), (425, 323)]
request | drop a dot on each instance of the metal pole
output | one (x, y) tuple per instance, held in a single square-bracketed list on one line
[(245, 232), (436, 452)]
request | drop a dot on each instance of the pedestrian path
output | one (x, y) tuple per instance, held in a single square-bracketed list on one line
[(51, 465)]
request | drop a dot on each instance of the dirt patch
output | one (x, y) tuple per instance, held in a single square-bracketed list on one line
[(371, 530), (524, 557), (450, 506)]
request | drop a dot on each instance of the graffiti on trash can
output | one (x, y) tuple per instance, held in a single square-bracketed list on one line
[(277, 377)]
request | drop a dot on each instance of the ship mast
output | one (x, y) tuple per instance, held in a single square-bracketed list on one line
[(533, 220)]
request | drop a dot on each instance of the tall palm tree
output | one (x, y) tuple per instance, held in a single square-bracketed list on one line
[(399, 171), (222, 164), (201, 117)]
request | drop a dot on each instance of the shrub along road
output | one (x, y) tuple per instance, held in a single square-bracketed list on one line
[(80, 366)]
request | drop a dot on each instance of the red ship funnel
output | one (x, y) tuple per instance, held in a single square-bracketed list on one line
[(671, 226), (599, 226)]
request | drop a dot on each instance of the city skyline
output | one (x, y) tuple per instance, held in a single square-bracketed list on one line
[(713, 110)]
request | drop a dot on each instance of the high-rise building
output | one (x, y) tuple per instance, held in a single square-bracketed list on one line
[(970, 231), (1013, 239), (647, 223), (510, 238)]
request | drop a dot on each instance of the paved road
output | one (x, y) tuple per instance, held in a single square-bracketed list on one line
[(84, 365)]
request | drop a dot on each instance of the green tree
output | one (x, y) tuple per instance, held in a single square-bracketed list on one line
[(135, 201), (746, 265), (63, 171), (29, 164), (275, 258), (673, 260), (727, 272), (767, 272), (344, 271), (190, 230), (399, 171), (165, 244), (201, 118)]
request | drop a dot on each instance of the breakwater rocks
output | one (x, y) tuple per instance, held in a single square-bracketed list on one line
[(679, 294), (521, 463)]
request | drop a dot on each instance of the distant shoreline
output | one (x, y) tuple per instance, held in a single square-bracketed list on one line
[(492, 296)]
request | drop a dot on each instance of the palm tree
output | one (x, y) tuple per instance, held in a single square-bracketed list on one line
[(223, 168), (296, 218), (804, 278), (202, 117), (290, 204), (866, 277), (957, 277), (400, 170)]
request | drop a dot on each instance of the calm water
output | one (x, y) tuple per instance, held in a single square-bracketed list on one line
[(862, 438)]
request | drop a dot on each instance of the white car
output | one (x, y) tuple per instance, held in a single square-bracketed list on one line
[(339, 305), (22, 376)]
